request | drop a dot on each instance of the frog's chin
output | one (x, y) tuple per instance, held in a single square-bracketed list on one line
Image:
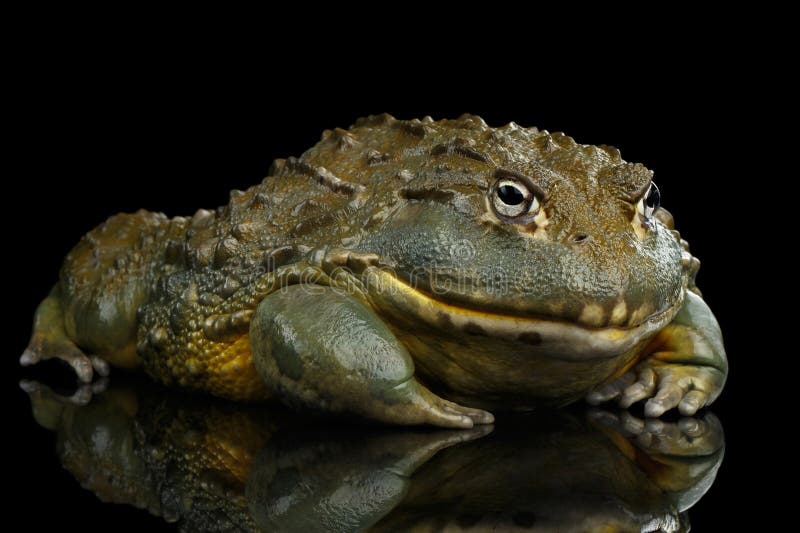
[(556, 338)]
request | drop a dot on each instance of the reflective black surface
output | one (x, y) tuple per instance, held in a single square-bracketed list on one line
[(209, 465), (100, 133)]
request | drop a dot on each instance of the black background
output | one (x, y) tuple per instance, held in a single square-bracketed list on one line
[(102, 133)]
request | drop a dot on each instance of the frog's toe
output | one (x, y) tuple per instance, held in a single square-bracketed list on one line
[(450, 415), (609, 391), (644, 387), (30, 357), (478, 416), (668, 397), (692, 402), (438, 415), (100, 366)]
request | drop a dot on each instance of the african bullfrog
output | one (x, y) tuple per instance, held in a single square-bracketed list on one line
[(211, 465), (408, 272)]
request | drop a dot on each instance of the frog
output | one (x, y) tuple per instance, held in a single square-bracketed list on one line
[(404, 272)]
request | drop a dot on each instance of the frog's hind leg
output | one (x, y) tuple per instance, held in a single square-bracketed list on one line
[(50, 341), (321, 349)]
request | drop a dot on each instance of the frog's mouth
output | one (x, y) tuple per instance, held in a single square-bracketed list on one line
[(558, 338)]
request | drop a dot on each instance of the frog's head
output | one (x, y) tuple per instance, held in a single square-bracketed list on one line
[(519, 232)]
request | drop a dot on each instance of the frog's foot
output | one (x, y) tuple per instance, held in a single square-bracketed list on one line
[(664, 385), (684, 366), (82, 395), (42, 348), (424, 407), (50, 341)]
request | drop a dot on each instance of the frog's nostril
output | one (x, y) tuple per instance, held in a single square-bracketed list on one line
[(579, 236)]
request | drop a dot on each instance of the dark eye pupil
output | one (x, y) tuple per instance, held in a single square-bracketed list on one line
[(653, 199), (510, 195)]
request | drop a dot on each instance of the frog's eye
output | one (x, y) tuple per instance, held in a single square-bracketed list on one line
[(511, 199), (649, 202)]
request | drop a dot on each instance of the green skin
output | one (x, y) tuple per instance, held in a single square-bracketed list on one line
[(219, 466), (388, 274)]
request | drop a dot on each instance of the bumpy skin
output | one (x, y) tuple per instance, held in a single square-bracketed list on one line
[(396, 224), (217, 466)]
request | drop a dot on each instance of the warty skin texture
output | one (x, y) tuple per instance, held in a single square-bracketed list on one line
[(403, 223)]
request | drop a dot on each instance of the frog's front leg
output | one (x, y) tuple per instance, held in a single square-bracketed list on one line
[(321, 349), (684, 366)]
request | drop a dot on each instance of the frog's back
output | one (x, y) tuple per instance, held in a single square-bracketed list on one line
[(176, 295)]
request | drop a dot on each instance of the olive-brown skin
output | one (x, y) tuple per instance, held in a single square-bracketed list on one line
[(494, 310)]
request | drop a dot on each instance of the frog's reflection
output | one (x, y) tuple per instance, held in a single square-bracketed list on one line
[(217, 466)]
